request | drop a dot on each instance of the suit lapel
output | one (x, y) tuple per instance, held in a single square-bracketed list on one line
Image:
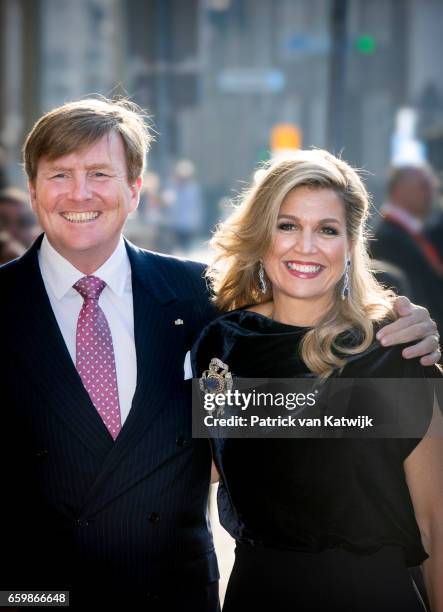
[(41, 344), (155, 309)]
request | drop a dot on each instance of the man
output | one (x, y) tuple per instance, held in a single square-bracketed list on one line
[(104, 490), (186, 205), (106, 497), (434, 232), (9, 248), (400, 237), (16, 219), (391, 277)]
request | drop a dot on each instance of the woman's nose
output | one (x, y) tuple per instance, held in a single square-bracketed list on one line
[(306, 242)]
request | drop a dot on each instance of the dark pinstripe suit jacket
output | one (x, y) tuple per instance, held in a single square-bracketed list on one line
[(79, 511)]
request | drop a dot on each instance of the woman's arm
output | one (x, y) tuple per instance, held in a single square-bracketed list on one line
[(424, 475)]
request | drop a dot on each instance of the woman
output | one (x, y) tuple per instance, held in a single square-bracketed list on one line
[(320, 524)]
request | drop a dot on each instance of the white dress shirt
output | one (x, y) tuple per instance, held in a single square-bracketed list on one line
[(187, 366), (59, 276)]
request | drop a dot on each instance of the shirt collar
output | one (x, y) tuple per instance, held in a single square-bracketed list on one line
[(413, 224), (62, 275)]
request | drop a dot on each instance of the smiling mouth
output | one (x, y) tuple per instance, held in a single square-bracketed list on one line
[(80, 217), (304, 268)]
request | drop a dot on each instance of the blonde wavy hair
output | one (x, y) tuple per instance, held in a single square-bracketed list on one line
[(245, 237)]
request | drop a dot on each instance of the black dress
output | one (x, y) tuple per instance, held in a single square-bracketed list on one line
[(320, 524)]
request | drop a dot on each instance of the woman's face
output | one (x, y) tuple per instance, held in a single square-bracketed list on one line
[(310, 248)]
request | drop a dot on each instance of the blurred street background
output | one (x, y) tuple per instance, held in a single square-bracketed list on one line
[(229, 84), (222, 80)]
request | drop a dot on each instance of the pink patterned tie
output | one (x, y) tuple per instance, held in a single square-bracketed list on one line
[(95, 354)]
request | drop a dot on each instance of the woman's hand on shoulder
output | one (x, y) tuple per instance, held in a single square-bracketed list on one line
[(414, 323)]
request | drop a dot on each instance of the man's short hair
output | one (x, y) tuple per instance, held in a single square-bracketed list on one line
[(397, 174), (77, 125)]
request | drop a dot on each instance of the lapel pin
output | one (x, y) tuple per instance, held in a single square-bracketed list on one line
[(178, 322)]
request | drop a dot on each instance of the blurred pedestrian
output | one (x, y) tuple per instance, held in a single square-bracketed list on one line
[(186, 205), (153, 213), (434, 232), (3, 174), (9, 248), (401, 240), (391, 277), (16, 216)]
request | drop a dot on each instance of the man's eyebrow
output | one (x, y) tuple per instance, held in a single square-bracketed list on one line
[(325, 220), (98, 166), (54, 167)]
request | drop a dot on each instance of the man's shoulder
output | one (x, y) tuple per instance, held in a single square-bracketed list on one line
[(435, 232), (392, 243), (16, 279), (22, 269), (175, 277), (387, 228), (182, 277), (13, 271), (165, 262)]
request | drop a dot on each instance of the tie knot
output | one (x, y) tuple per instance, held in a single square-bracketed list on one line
[(90, 287)]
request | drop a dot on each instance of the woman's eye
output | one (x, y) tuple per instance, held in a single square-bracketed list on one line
[(286, 227), (329, 231)]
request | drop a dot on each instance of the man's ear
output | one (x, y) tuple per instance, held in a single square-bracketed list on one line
[(135, 190), (32, 195)]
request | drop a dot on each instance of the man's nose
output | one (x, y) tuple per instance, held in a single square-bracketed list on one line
[(80, 189)]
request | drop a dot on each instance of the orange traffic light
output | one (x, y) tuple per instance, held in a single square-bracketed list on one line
[(285, 136)]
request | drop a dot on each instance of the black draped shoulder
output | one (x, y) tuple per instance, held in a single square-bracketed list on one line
[(310, 494)]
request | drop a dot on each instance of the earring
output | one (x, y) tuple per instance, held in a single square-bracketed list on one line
[(345, 288), (261, 279)]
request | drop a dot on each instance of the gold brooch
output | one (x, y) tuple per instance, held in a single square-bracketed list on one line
[(217, 379)]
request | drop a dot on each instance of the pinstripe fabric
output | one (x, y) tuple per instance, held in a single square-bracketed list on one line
[(135, 509)]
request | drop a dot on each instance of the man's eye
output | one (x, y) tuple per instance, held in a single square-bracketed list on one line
[(286, 227), (59, 175), (329, 231), (100, 174)]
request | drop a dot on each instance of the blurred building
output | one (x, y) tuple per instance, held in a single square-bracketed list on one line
[(217, 75)]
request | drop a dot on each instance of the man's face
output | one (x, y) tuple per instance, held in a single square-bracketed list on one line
[(416, 193), (82, 201)]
